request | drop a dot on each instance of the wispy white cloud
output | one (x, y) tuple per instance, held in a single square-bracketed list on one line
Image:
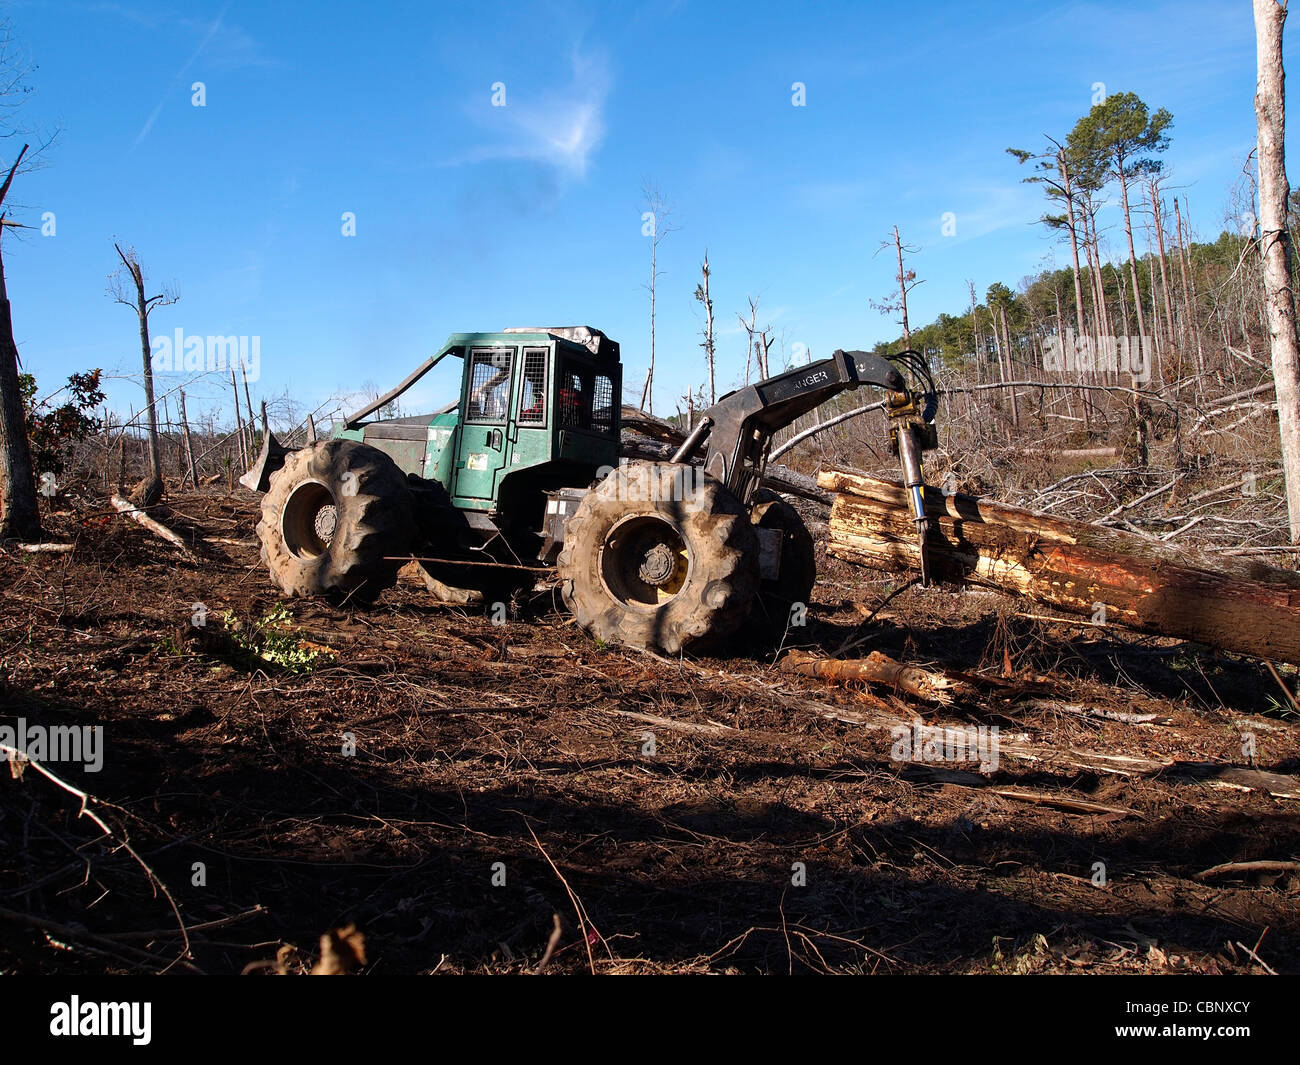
[(153, 116), (227, 48), (980, 211), (562, 128)]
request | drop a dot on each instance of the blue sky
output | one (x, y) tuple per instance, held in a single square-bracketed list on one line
[(475, 217)]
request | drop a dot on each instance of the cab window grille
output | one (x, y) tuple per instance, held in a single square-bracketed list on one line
[(602, 405), (532, 393), (572, 400), (489, 384)]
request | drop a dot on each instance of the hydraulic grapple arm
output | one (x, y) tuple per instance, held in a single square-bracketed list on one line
[(737, 431)]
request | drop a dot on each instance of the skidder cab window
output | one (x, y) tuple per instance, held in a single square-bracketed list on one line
[(489, 384), (532, 390)]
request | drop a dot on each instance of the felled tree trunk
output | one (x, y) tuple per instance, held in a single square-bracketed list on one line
[(1104, 574)]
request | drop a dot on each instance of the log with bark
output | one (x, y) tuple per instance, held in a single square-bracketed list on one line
[(1229, 603)]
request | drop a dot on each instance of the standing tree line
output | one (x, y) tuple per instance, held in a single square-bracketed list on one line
[(1208, 328)]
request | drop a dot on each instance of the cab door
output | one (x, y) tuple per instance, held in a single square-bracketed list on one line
[(488, 423)]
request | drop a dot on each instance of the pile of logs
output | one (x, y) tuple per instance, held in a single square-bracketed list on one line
[(1104, 574)]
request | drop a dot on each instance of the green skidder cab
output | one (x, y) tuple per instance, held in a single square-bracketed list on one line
[(521, 479)]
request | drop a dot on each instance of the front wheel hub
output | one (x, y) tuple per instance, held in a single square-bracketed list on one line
[(644, 562), (308, 520), (657, 564)]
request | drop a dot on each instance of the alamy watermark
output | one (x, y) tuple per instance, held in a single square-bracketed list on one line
[(120, 1019), (1068, 353), (54, 743), (684, 485), (179, 353)]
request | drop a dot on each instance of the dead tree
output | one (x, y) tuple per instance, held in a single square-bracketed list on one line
[(19, 514), (189, 446), (251, 446), (1189, 292), (1275, 244), (759, 341), (1054, 171), (702, 294), (906, 282), (655, 226), (150, 490), (975, 329), (240, 439)]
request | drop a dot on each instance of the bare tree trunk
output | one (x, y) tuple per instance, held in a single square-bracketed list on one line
[(1067, 184), (647, 392), (150, 490), (658, 211), (1157, 341), (758, 342), (155, 463), (106, 421), (999, 349), (20, 515), (1006, 333), (189, 446), (1275, 243), (1074, 244), (239, 421), (902, 289), (1122, 286), (252, 426), (1105, 328), (1132, 252), (703, 295), (1189, 291), (1100, 316), (1158, 210)]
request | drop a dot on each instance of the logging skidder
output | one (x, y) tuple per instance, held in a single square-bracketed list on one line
[(521, 478)]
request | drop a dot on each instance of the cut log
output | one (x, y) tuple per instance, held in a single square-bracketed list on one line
[(49, 549), (1110, 576), (157, 528), (1073, 454), (1237, 868), (877, 668)]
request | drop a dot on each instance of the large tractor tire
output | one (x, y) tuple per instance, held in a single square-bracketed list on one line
[(780, 596), (659, 556), (331, 517)]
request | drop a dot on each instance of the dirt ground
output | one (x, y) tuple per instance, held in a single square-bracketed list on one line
[(711, 815)]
